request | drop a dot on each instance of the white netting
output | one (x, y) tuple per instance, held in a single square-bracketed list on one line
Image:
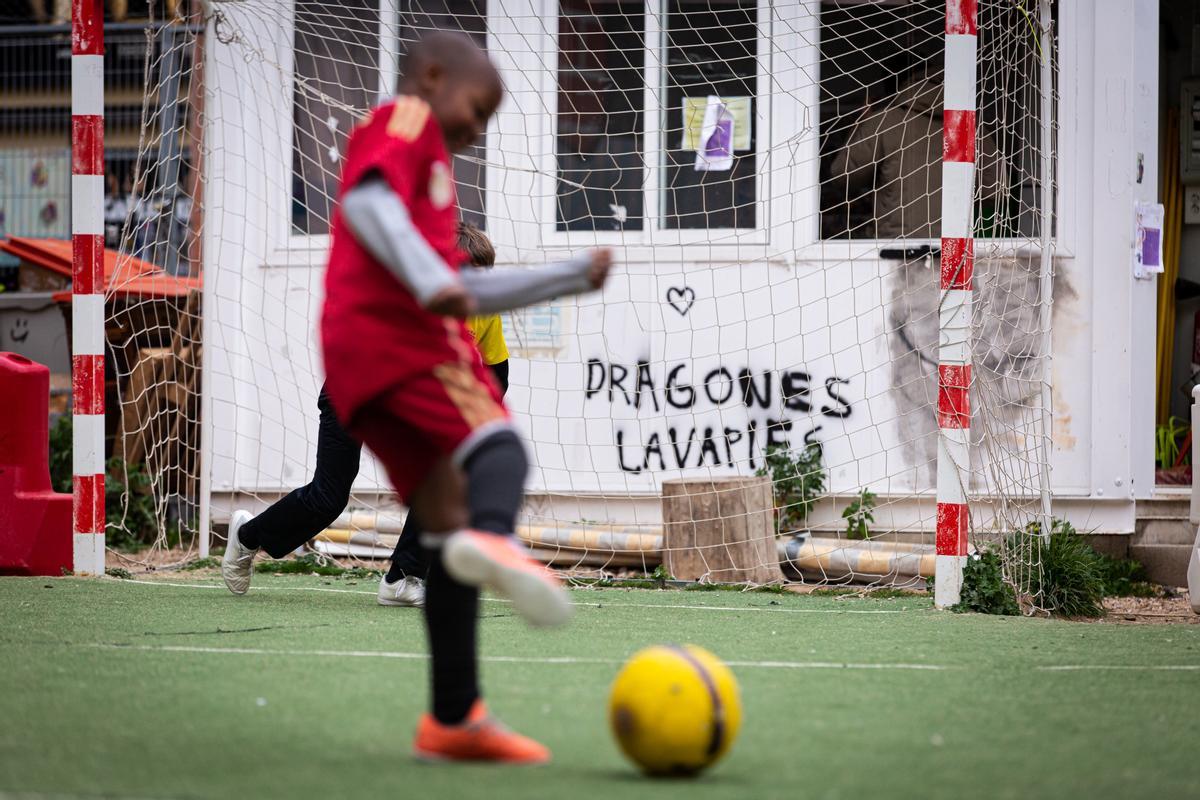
[(769, 176)]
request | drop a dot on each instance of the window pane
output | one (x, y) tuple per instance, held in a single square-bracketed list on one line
[(601, 56), (469, 16), (881, 121), (336, 79), (873, 57), (1008, 198), (711, 52)]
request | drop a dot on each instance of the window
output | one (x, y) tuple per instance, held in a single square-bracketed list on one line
[(710, 52), (339, 72), (601, 61), (336, 79), (705, 64), (468, 16), (882, 70)]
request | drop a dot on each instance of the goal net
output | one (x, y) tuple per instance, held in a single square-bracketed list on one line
[(770, 178)]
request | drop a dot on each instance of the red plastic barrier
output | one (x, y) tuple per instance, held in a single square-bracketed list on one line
[(35, 521)]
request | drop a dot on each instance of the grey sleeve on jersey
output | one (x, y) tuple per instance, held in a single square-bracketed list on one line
[(381, 223), (498, 290)]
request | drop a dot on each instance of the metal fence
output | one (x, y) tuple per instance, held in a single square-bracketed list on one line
[(146, 213)]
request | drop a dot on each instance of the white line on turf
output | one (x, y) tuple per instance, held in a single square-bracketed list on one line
[(258, 651), (590, 605), (56, 796), (1129, 667)]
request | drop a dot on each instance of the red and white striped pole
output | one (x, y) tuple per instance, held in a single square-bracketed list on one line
[(954, 323), (87, 288)]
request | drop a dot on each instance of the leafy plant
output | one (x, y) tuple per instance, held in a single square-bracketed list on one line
[(858, 514), (60, 454), (131, 516), (798, 479), (1072, 580), (130, 509), (119, 572), (1167, 440), (661, 574), (1124, 578), (984, 589)]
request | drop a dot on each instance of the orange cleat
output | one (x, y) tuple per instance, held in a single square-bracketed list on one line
[(504, 564), (479, 737)]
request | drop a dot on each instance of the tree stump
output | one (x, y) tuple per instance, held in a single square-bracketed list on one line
[(720, 530)]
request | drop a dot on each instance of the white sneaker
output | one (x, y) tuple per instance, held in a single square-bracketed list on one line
[(409, 591), (238, 564), (504, 564)]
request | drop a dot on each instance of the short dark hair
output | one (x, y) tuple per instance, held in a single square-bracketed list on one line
[(476, 244)]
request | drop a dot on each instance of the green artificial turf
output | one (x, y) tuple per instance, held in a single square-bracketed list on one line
[(306, 688)]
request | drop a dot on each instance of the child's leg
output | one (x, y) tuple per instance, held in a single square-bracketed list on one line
[(406, 430), (495, 471), (451, 620), (454, 412), (451, 608), (310, 509), (300, 515), (409, 558)]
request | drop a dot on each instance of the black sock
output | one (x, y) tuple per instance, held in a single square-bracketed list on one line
[(247, 536), (451, 617), (409, 557), (496, 482), (394, 573)]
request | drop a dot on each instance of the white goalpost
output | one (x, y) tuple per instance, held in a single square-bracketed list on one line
[(836, 223)]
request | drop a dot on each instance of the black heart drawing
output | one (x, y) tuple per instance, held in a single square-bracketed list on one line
[(681, 299)]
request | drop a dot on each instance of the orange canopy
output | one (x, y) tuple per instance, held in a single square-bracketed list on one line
[(124, 275)]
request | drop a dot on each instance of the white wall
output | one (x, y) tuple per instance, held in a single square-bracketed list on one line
[(773, 299)]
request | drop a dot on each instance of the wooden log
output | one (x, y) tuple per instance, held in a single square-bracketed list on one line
[(720, 530), (140, 403)]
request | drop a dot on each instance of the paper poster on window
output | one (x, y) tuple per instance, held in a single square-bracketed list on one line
[(714, 151), (694, 109), (35, 193), (1147, 258)]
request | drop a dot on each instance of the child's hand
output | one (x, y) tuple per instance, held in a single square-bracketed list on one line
[(601, 265), (453, 301)]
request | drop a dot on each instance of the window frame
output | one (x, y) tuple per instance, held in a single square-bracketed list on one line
[(653, 233), (1062, 242), (788, 229), (314, 245)]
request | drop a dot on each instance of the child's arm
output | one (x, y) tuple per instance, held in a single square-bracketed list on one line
[(381, 223), (498, 290)]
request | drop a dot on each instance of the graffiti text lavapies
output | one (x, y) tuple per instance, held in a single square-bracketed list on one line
[(733, 413)]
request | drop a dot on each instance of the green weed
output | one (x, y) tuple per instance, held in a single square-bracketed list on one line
[(858, 514), (307, 564), (201, 563), (797, 479), (984, 589)]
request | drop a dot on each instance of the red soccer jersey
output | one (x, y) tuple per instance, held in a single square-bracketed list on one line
[(375, 335)]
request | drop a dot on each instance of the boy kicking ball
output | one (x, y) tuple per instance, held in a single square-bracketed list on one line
[(405, 378), (307, 511)]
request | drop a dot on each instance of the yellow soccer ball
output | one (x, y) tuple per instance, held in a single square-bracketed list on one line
[(675, 710)]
